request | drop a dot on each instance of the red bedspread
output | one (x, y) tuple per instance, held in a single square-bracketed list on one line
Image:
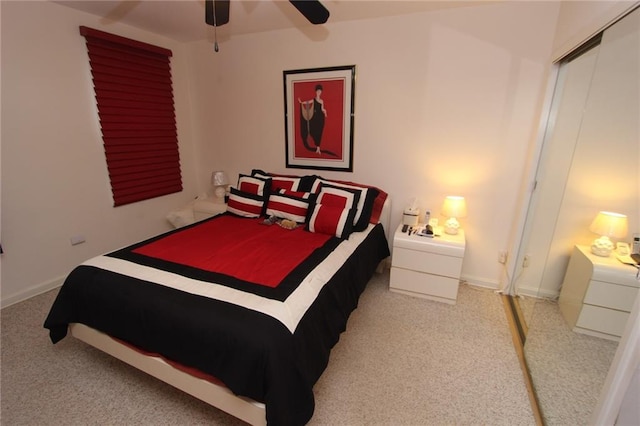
[(255, 253)]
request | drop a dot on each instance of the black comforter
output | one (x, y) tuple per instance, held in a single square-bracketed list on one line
[(253, 353)]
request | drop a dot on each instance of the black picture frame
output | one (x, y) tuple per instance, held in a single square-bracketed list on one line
[(318, 118)]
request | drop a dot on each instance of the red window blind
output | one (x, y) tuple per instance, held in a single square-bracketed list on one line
[(134, 94)]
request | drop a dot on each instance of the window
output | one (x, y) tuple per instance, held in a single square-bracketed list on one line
[(134, 94)]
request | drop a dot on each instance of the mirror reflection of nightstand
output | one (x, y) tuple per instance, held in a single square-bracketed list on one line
[(597, 294), (207, 207)]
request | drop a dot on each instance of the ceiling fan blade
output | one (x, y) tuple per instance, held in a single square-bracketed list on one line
[(313, 10), (216, 12)]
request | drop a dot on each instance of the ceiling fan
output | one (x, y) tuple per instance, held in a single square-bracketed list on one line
[(217, 11)]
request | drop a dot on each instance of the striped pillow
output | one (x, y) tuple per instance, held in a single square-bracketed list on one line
[(245, 204), (254, 185), (280, 182), (364, 205), (334, 196), (288, 207), (298, 194), (331, 220)]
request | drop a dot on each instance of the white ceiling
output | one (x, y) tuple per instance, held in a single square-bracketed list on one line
[(183, 20)]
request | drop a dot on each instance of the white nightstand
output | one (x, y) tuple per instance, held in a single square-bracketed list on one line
[(597, 294), (427, 267), (207, 207)]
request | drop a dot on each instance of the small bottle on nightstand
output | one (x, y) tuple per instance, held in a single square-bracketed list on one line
[(635, 247)]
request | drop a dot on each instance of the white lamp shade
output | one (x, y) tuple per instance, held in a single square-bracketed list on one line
[(219, 178), (454, 206), (609, 224)]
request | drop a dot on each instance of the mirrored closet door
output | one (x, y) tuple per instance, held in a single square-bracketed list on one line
[(590, 161)]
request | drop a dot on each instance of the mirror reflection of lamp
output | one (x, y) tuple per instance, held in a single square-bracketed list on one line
[(607, 225), (219, 180), (453, 207)]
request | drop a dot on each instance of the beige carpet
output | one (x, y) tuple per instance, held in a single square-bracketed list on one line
[(402, 361)]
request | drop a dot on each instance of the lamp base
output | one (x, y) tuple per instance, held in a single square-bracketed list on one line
[(220, 192), (602, 246), (451, 226)]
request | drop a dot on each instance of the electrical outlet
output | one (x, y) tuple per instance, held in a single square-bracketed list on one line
[(502, 256), (526, 260)]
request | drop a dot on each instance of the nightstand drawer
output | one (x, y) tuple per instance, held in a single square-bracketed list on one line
[(446, 245), (431, 263), (612, 296), (424, 284), (602, 319)]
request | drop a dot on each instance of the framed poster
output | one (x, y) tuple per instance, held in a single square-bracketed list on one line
[(318, 118)]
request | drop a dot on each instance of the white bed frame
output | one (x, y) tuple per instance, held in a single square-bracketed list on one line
[(214, 394)]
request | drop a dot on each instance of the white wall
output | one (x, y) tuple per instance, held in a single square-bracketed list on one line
[(446, 102), (54, 177)]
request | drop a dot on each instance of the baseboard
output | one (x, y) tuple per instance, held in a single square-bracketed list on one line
[(31, 292), (538, 293), (479, 282)]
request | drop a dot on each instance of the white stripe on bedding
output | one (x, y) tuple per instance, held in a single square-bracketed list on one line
[(289, 312)]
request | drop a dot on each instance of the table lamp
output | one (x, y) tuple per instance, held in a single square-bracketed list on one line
[(607, 224), (453, 207), (219, 180)]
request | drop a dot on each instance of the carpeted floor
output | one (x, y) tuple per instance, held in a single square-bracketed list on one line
[(569, 377), (402, 361)]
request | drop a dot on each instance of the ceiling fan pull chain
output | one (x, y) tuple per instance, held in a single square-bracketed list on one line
[(215, 29)]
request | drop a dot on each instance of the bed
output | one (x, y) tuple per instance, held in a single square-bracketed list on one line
[(240, 310)]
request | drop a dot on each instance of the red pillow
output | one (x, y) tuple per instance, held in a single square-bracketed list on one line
[(334, 196), (284, 183), (288, 182), (378, 200), (364, 205), (331, 220), (254, 185)]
